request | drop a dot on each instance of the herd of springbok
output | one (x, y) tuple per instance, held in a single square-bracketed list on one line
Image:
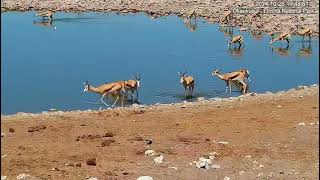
[(241, 76), (122, 88)]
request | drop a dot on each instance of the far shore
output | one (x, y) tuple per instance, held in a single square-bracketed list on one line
[(212, 11)]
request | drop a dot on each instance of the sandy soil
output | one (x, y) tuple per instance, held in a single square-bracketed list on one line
[(211, 10), (270, 136)]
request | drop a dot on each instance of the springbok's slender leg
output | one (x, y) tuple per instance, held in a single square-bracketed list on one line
[(137, 94), (185, 93), (102, 97), (115, 101), (132, 96), (244, 86), (227, 85), (122, 98), (192, 87)]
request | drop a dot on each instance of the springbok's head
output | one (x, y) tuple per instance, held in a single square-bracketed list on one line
[(182, 76), (215, 72), (86, 86), (137, 78)]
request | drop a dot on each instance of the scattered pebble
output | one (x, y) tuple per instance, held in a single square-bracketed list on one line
[(173, 168), (255, 162), (92, 178), (216, 166), (279, 106), (3, 156), (226, 178), (3, 134), (11, 130), (145, 178), (311, 123), (301, 124), (203, 163), (260, 174), (248, 156), (91, 162), (242, 172), (23, 176), (260, 166), (150, 152), (183, 106), (4, 177), (158, 160), (223, 142)]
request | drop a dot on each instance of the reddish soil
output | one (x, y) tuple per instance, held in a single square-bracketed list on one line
[(113, 142)]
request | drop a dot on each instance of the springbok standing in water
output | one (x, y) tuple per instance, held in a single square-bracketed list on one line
[(132, 85), (115, 88), (237, 76), (305, 32), (283, 36), (45, 13), (236, 39), (188, 84)]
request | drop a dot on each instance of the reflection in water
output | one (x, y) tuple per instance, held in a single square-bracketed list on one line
[(305, 51), (44, 22), (191, 23), (257, 34), (236, 51), (227, 30), (282, 51)]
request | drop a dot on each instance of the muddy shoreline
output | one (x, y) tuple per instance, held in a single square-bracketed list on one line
[(211, 11), (298, 92)]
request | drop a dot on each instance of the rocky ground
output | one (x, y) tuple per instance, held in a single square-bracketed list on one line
[(264, 136), (211, 10)]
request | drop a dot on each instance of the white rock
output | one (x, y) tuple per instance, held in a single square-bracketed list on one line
[(301, 124), (279, 106), (226, 178), (3, 134), (311, 123), (23, 176), (150, 152), (4, 177), (201, 99), (145, 178), (158, 160), (255, 162), (211, 157), (223, 142), (203, 163), (248, 156), (93, 178), (242, 172), (190, 164), (3, 155), (260, 174), (216, 166), (174, 167), (260, 166)]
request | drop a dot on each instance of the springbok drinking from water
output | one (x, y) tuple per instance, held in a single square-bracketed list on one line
[(236, 39), (115, 88), (237, 76), (281, 37), (132, 85), (188, 84)]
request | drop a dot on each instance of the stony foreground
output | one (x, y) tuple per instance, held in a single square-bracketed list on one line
[(273, 136), (211, 10)]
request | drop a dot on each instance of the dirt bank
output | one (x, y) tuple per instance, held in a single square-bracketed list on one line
[(212, 11), (271, 136)]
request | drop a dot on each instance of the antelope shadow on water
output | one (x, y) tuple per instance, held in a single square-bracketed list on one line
[(191, 23), (236, 51), (282, 51), (305, 50)]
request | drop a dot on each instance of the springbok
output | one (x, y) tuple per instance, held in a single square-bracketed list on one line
[(237, 76), (188, 83), (281, 37), (236, 39), (45, 13), (115, 88), (132, 85), (305, 32)]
